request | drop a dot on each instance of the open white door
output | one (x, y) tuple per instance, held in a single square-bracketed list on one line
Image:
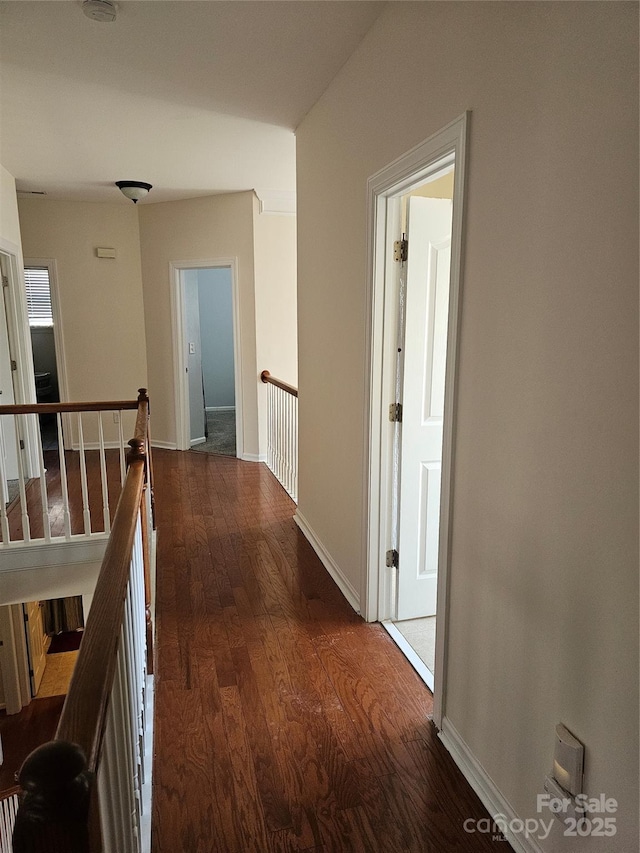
[(425, 356), (9, 466), (38, 643)]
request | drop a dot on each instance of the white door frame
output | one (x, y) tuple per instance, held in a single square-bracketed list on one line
[(20, 347), (58, 339), (384, 191), (181, 385)]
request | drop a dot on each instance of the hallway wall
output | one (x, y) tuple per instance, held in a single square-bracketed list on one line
[(197, 229), (543, 625)]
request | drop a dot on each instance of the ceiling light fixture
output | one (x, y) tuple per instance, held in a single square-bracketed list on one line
[(135, 190), (100, 10)]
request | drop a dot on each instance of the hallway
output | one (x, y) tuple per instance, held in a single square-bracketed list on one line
[(283, 721)]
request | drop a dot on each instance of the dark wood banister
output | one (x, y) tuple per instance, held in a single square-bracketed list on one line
[(266, 377), (58, 811), (52, 408)]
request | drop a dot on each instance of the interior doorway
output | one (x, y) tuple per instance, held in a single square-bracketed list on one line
[(207, 357), (416, 228), (45, 330)]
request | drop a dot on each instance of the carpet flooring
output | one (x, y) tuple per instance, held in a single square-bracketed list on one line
[(221, 438), (67, 641)]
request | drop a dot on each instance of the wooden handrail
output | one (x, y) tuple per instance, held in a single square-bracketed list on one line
[(9, 792), (57, 778), (266, 377), (53, 408)]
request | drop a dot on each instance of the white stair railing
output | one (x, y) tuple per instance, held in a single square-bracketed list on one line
[(42, 479), (9, 802), (282, 432), (83, 791)]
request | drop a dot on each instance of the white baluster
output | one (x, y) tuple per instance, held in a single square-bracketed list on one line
[(4, 497), (106, 515), (123, 459), (295, 450), (86, 515), (26, 529), (46, 524), (62, 458)]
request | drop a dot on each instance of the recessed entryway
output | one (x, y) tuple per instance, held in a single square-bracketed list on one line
[(207, 357)]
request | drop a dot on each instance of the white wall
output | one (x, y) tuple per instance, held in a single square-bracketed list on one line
[(215, 296), (197, 229), (276, 300), (100, 299), (9, 223), (544, 574)]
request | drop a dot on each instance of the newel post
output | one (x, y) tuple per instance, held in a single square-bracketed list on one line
[(54, 808)]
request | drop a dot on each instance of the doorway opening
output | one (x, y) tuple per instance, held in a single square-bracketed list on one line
[(43, 314), (415, 207), (206, 351)]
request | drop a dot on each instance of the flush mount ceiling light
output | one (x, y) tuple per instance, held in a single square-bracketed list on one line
[(100, 10), (135, 190)]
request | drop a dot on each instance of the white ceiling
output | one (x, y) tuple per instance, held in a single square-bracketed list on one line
[(193, 96)]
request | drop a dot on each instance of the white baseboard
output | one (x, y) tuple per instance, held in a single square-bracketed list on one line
[(328, 562), (95, 445), (253, 457), (164, 445), (201, 440), (220, 408), (485, 788)]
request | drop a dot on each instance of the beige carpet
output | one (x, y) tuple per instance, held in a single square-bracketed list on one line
[(421, 636), (57, 675)]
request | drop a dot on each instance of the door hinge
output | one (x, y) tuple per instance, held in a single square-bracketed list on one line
[(25, 616), (31, 673), (401, 249), (392, 559), (14, 364), (5, 281), (22, 444), (395, 413)]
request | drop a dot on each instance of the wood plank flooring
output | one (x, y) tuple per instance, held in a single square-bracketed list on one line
[(54, 494), (21, 733), (283, 721)]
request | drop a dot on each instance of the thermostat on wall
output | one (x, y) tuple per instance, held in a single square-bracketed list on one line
[(106, 253)]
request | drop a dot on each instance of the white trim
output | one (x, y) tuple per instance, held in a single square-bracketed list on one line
[(485, 787), (409, 652), (201, 440), (58, 333), (94, 445), (219, 408), (19, 339), (345, 585), (163, 445), (24, 556), (278, 202), (179, 366), (253, 457), (441, 150)]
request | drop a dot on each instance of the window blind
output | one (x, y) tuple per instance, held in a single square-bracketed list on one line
[(38, 296)]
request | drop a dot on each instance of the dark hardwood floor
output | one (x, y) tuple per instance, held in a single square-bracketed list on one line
[(283, 721), (74, 488), (23, 732)]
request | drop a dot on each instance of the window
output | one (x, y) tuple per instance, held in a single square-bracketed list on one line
[(38, 296)]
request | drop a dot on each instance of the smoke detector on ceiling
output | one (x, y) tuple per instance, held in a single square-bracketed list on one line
[(100, 10)]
